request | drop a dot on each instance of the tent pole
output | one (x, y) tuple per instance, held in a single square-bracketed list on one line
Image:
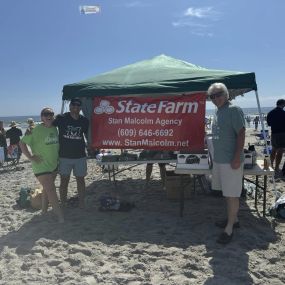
[(262, 122), (266, 146), (62, 107)]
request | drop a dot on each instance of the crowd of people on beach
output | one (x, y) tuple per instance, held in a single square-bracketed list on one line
[(58, 145)]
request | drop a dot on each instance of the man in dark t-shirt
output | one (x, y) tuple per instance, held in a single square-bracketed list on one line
[(276, 120), (14, 134), (73, 129)]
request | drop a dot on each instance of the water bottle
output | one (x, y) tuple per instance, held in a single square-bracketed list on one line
[(266, 162)]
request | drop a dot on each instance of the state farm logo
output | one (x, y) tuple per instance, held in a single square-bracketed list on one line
[(129, 106), (104, 107)]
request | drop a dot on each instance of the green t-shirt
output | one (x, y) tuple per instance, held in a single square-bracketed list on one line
[(43, 141), (227, 123)]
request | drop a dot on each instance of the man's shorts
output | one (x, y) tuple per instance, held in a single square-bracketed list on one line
[(78, 165), (278, 140), (227, 179)]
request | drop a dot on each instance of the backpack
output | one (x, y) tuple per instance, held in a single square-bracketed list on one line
[(109, 203), (24, 197)]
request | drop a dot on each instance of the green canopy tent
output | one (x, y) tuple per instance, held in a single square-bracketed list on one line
[(161, 75)]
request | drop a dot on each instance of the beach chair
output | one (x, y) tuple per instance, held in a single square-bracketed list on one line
[(9, 158), (260, 138)]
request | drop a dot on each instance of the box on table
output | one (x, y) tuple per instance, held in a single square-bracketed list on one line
[(173, 184), (249, 159), (193, 160)]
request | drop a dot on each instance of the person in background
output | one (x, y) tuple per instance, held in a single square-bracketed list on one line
[(248, 120), (162, 169), (276, 120), (73, 127), (3, 142), (14, 134), (256, 122), (228, 131), (43, 142), (31, 125)]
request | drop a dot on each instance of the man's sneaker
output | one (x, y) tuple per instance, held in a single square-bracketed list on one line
[(222, 224)]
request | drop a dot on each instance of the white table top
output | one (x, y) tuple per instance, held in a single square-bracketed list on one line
[(256, 170), (130, 162)]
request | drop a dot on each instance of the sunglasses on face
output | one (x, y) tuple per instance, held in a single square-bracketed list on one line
[(217, 95), (76, 104), (47, 114)]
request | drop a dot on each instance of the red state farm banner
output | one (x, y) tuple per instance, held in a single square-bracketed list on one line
[(160, 123)]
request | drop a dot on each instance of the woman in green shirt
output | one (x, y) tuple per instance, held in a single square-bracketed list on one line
[(43, 143)]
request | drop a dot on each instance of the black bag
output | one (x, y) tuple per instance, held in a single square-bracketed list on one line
[(278, 209)]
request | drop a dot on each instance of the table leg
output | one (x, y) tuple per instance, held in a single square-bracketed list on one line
[(114, 174), (256, 191), (264, 194), (181, 196), (109, 173)]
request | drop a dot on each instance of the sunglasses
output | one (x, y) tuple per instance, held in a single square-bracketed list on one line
[(217, 95), (76, 104), (46, 114)]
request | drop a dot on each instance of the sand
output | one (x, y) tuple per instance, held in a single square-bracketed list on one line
[(150, 244)]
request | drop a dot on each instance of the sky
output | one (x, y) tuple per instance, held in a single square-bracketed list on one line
[(46, 44)]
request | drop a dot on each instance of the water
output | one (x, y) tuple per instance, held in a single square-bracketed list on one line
[(246, 111), (22, 120)]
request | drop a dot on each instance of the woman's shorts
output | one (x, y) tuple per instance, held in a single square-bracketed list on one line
[(227, 179), (46, 172)]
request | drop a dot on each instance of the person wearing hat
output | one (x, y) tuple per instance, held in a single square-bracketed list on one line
[(14, 134), (73, 130), (31, 126)]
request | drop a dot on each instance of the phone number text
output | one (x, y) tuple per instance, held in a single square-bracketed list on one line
[(145, 133)]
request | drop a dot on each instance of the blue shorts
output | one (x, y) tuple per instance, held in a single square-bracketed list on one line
[(78, 165)]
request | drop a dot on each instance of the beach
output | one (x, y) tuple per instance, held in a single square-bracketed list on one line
[(151, 244)]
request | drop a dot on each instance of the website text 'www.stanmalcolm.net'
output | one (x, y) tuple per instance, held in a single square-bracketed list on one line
[(144, 143)]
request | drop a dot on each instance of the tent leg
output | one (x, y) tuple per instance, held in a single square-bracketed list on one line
[(62, 107), (262, 122), (266, 146)]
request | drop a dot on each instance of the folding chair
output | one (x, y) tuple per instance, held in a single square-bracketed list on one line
[(2, 157), (260, 140), (9, 158)]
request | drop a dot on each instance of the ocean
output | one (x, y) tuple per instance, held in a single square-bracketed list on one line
[(247, 111), (22, 120)]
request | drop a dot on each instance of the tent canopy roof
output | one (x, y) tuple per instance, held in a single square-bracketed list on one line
[(159, 75)]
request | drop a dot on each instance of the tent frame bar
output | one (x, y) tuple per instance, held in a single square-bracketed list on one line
[(262, 122)]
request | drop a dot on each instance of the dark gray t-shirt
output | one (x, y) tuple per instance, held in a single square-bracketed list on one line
[(71, 135), (227, 123)]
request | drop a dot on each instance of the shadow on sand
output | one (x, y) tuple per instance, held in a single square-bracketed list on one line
[(154, 220)]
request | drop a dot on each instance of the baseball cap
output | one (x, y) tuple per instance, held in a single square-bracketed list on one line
[(76, 101)]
